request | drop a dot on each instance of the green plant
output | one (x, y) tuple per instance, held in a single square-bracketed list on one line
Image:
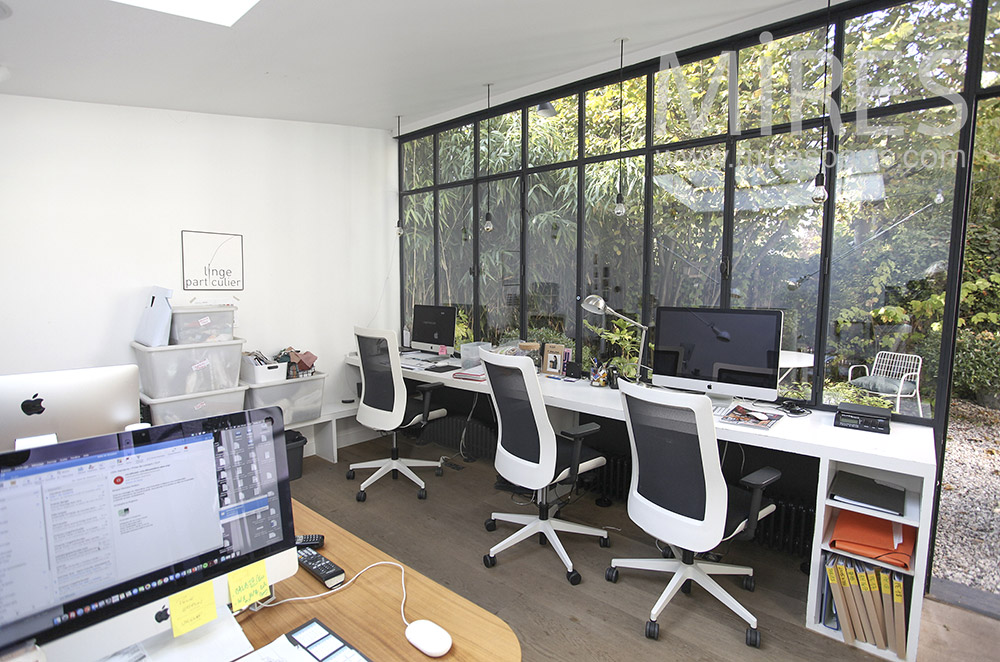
[(623, 336), (463, 327), (835, 393), (977, 363)]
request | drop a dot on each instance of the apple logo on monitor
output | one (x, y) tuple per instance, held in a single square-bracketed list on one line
[(33, 405)]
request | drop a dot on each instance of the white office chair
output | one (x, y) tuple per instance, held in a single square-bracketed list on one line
[(678, 495), (531, 455), (386, 407)]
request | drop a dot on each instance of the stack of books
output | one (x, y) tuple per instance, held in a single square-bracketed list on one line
[(868, 603)]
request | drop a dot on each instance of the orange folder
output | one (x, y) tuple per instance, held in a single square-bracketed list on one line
[(872, 538)]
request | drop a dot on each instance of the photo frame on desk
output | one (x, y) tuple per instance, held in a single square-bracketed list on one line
[(552, 359)]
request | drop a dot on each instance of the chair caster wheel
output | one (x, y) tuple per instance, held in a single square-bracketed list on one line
[(611, 574), (422, 493), (350, 474), (749, 584), (753, 637), (541, 539), (686, 587), (439, 471), (361, 496), (490, 524), (489, 561), (573, 576), (605, 541), (395, 474), (652, 630), (667, 553)]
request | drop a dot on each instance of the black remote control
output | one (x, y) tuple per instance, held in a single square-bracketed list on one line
[(321, 567), (314, 540)]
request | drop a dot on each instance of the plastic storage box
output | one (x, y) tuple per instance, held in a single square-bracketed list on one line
[(195, 405), (197, 324), (300, 399), (253, 373), (165, 372)]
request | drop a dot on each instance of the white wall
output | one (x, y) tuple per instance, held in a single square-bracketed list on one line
[(93, 199)]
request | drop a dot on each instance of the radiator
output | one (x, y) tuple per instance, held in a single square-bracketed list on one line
[(789, 528), (480, 439)]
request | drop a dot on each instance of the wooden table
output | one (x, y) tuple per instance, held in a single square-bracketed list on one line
[(366, 614)]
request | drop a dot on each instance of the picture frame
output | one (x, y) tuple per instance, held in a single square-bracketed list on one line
[(552, 359)]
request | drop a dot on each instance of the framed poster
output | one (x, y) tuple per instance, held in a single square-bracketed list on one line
[(552, 361), (211, 260)]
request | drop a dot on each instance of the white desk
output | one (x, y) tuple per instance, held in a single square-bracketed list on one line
[(905, 457)]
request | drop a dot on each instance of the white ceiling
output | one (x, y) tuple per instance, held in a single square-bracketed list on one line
[(356, 63)]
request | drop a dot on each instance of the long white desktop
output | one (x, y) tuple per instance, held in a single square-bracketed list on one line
[(905, 457)]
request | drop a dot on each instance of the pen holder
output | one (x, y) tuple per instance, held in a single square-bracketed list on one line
[(599, 376)]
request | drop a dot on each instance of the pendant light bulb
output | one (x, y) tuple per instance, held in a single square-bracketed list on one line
[(488, 224), (399, 229), (939, 198), (620, 205), (819, 192)]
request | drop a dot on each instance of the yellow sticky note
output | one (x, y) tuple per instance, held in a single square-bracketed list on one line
[(192, 608), (248, 585)]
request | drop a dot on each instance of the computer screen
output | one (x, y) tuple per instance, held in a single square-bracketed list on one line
[(718, 352), (68, 403), (96, 534), (433, 326)]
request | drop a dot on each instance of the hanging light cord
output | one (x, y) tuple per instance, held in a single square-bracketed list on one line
[(826, 109), (621, 104)]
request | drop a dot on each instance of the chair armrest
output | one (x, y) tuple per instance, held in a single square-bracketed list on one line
[(911, 377), (850, 371), (756, 482), (760, 478), (576, 435), (425, 392)]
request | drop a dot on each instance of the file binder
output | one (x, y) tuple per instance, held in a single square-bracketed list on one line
[(872, 603), (899, 614), (852, 607), (868, 492), (839, 600), (859, 600), (885, 584)]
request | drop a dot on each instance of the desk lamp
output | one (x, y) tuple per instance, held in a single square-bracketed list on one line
[(594, 303)]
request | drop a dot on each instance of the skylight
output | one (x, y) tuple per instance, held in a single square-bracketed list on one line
[(220, 12)]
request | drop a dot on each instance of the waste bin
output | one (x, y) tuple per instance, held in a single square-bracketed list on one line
[(294, 442)]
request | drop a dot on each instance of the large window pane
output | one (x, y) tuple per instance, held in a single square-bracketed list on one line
[(500, 143), (911, 51), (890, 248), (551, 256), (500, 259), (418, 163), (553, 138), (455, 154), (602, 114), (776, 243), (781, 80), (612, 244), (418, 252), (455, 266), (691, 100), (991, 50), (687, 227)]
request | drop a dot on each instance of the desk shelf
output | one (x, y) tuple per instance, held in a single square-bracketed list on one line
[(918, 498)]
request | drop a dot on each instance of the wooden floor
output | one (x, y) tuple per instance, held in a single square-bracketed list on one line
[(444, 538)]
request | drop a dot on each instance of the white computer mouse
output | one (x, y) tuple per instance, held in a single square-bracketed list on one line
[(428, 637)]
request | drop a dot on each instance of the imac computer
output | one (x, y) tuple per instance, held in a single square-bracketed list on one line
[(96, 534), (434, 327), (68, 403), (722, 353)]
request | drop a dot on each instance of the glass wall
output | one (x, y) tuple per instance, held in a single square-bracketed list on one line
[(719, 196)]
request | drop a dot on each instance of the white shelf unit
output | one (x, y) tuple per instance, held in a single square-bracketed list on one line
[(919, 486)]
